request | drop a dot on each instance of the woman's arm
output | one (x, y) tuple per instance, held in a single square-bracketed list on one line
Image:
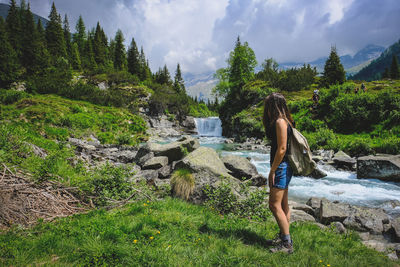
[(281, 135)]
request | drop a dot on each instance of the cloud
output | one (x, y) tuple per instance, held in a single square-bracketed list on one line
[(200, 33)]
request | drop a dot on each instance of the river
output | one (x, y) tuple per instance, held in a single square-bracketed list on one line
[(337, 186)]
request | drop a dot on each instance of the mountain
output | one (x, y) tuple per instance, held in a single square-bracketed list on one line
[(350, 63), (200, 85), (4, 12), (376, 68)]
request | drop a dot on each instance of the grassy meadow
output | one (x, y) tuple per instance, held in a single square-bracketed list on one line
[(171, 232)]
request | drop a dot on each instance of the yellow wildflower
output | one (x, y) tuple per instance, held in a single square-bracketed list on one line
[(135, 241), (320, 261), (151, 237), (158, 232)]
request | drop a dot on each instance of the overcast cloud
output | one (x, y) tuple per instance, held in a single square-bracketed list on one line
[(200, 33)]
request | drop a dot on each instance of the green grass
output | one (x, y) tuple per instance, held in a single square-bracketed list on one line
[(174, 233)]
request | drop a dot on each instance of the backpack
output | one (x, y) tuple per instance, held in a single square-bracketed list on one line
[(299, 155)]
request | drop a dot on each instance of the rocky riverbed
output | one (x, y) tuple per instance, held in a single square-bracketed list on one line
[(154, 163)]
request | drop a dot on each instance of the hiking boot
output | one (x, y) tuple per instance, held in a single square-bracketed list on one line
[(283, 246), (274, 242)]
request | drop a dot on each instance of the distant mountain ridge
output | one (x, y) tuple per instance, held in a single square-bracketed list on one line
[(367, 54), (375, 69), (4, 12)]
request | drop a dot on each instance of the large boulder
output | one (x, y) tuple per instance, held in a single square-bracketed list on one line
[(343, 161), (333, 212), (364, 219), (207, 170), (174, 151), (239, 167), (301, 216), (155, 163), (189, 124), (383, 167)]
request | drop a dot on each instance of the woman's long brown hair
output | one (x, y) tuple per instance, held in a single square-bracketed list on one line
[(275, 107)]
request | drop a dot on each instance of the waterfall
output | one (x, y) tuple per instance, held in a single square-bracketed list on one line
[(208, 126)]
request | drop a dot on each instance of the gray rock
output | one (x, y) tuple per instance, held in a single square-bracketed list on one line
[(317, 174), (229, 141), (164, 172), (301, 216), (174, 151), (314, 202), (338, 227), (126, 156), (38, 151), (317, 158), (258, 180), (343, 161), (103, 86), (364, 236), (396, 228), (207, 169), (155, 163), (331, 212), (325, 155), (300, 206), (383, 167), (189, 123), (144, 158), (239, 167)]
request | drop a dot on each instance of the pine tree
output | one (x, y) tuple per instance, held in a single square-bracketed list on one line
[(75, 57), (133, 59), (13, 27), (99, 48), (394, 68), (67, 36), (88, 57), (119, 53), (145, 72), (333, 70), (386, 74), (80, 36), (8, 59), (179, 84), (28, 59), (55, 35)]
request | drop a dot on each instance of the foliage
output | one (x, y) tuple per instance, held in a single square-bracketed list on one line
[(224, 201), (55, 35), (182, 183)]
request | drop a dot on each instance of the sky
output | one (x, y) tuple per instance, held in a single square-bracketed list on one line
[(199, 34)]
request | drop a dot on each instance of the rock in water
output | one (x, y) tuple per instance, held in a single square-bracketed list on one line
[(383, 167), (239, 167)]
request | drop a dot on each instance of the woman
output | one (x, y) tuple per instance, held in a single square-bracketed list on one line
[(278, 125)]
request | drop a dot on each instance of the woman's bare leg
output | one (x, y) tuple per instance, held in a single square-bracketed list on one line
[(275, 205), (285, 205)]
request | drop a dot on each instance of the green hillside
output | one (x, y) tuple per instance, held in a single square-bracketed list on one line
[(375, 70)]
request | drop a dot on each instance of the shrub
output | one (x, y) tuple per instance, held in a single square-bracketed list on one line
[(182, 183), (8, 97)]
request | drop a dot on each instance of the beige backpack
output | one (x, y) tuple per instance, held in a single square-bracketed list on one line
[(300, 157)]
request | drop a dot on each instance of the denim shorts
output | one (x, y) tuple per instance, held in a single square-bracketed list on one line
[(283, 175)]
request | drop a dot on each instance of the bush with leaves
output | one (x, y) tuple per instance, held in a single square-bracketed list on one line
[(253, 205)]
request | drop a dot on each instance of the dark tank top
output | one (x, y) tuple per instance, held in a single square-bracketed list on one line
[(274, 142)]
